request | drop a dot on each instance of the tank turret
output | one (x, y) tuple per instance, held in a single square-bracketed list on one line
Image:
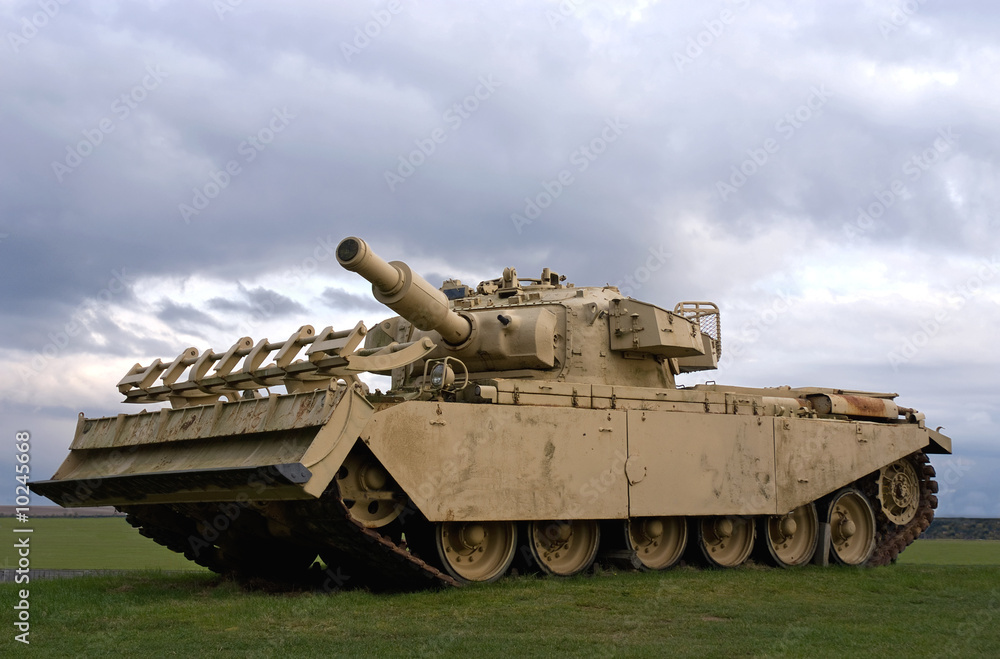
[(542, 328)]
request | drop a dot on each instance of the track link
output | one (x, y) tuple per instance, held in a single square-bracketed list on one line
[(165, 526), (891, 539), (236, 541), (375, 560)]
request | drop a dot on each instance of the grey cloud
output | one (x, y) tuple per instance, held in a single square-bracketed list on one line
[(258, 300), (338, 298), (268, 215), (184, 314)]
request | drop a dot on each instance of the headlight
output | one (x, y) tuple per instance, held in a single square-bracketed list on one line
[(442, 375)]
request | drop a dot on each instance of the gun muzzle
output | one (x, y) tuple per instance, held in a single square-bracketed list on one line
[(404, 291)]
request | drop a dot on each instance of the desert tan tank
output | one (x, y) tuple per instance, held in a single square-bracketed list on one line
[(530, 424)]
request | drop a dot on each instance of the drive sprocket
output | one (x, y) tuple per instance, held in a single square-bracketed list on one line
[(891, 538)]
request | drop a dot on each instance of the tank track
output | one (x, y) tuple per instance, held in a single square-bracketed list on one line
[(244, 552), (168, 528), (891, 539), (379, 561), (359, 557), (248, 551)]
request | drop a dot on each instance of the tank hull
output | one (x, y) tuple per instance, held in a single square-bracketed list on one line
[(643, 457), (269, 472)]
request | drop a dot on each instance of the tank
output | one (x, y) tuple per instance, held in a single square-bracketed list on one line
[(530, 425)]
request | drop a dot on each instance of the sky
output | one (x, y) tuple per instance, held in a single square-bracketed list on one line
[(178, 174)]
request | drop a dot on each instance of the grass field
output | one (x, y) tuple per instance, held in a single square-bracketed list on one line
[(943, 598), (906, 611), (952, 552), (89, 543)]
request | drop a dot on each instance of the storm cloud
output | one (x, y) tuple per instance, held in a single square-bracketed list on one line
[(179, 174)]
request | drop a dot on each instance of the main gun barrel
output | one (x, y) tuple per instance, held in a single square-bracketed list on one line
[(404, 291)]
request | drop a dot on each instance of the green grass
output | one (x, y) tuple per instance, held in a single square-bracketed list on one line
[(943, 597), (902, 610), (88, 543), (952, 552)]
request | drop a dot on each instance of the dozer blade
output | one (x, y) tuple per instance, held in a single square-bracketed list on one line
[(281, 447)]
